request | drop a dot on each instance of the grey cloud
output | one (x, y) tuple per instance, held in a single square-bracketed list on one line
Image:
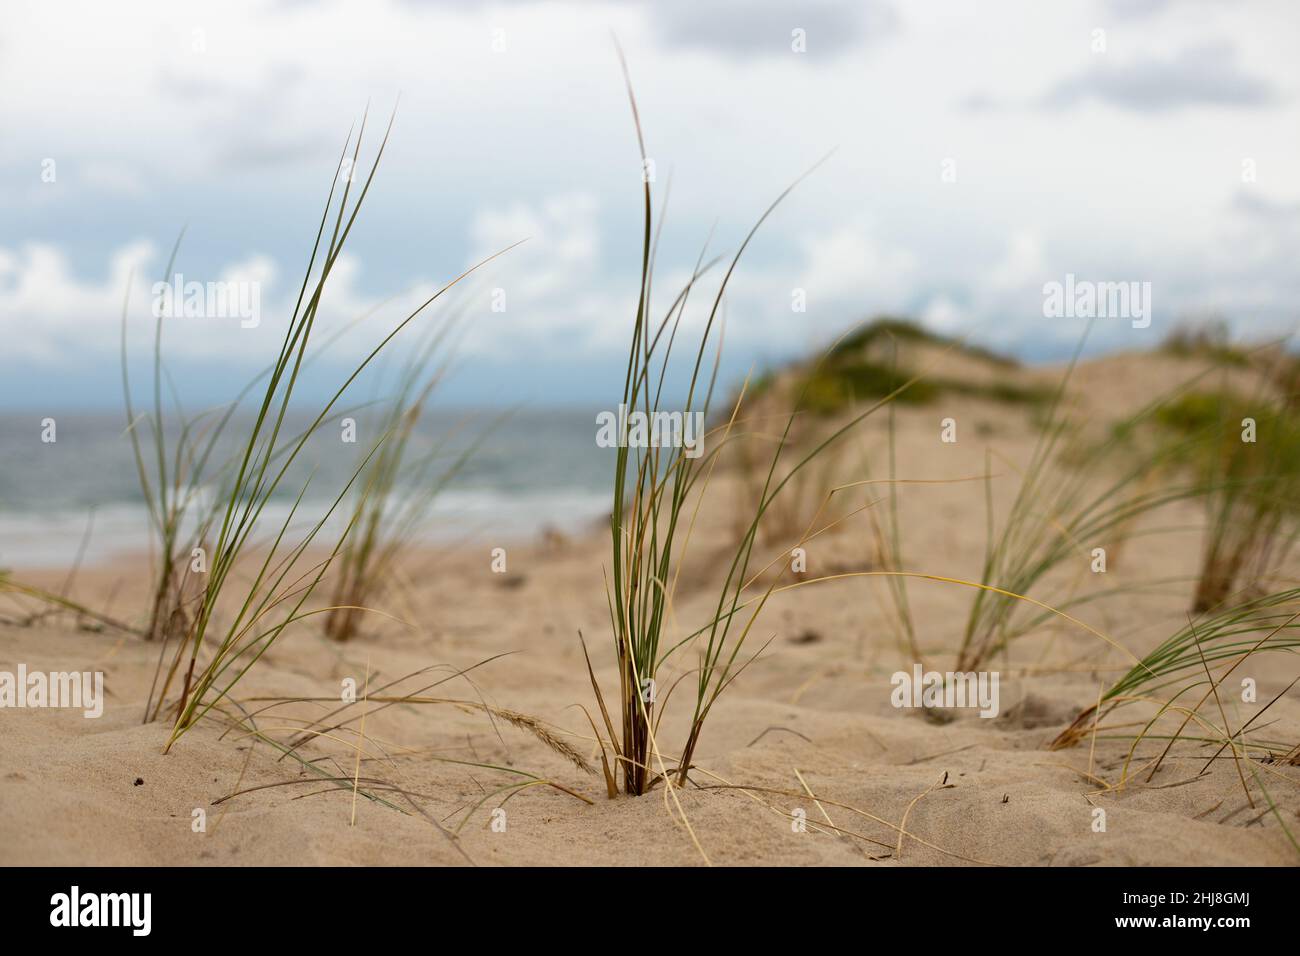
[(1254, 206), (743, 29), (1200, 76), (1136, 8), (979, 103), (757, 28), (194, 88), (272, 150), (256, 118)]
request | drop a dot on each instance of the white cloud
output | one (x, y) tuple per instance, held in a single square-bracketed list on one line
[(52, 317), (558, 294), (47, 312), (563, 298), (944, 316), (1022, 265), (850, 263)]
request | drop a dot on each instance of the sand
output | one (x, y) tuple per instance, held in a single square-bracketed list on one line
[(812, 714)]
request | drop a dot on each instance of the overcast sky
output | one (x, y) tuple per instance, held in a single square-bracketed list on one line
[(1141, 140)]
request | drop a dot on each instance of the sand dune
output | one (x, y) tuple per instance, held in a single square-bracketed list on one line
[(812, 715)]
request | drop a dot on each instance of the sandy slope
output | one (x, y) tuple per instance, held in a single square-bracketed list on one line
[(816, 704)]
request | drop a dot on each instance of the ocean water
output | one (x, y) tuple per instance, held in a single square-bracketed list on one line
[(533, 469)]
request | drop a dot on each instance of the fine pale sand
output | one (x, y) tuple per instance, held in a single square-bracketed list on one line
[(813, 713)]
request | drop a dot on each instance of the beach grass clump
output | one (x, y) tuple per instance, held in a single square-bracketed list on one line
[(834, 387), (175, 467), (889, 551), (395, 489), (864, 366), (1210, 340), (184, 463), (1076, 493), (1183, 681), (1187, 662), (1079, 492), (240, 616), (888, 331), (658, 492), (1245, 455)]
